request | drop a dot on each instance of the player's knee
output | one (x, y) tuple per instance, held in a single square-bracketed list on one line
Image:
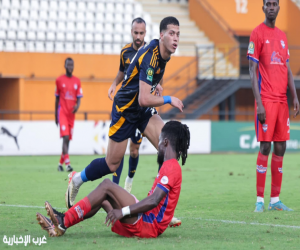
[(66, 138), (265, 148), (106, 182), (134, 153), (279, 148)]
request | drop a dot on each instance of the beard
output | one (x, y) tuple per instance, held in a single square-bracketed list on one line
[(138, 45), (160, 158)]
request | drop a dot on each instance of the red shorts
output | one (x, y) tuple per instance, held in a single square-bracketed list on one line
[(139, 229), (66, 125), (277, 125)]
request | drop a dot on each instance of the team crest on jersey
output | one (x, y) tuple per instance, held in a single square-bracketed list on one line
[(282, 44), (164, 180), (251, 48), (260, 169), (276, 58), (280, 170), (265, 127), (150, 73), (75, 86)]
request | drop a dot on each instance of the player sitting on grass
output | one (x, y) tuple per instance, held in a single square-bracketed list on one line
[(145, 219)]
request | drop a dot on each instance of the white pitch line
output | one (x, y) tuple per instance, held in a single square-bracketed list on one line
[(242, 222), (215, 220)]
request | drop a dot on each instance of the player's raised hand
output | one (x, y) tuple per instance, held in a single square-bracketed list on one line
[(111, 91), (158, 90), (261, 113), (296, 107), (175, 102), (113, 216)]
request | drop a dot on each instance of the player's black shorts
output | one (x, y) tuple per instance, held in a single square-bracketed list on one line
[(120, 129), (137, 137)]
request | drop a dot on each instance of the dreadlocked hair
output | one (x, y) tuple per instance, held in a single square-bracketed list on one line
[(179, 136)]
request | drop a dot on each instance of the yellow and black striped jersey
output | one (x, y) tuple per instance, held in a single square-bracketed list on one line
[(127, 53), (147, 65)]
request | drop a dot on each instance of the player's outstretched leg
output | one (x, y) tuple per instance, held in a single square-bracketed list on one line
[(107, 195), (46, 224), (96, 169), (133, 163)]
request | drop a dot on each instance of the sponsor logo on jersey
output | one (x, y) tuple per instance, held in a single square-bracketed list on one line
[(288, 122), (69, 96), (251, 48), (158, 71), (282, 44), (276, 58), (280, 170), (260, 169), (128, 61), (267, 41), (79, 212), (265, 127), (150, 73)]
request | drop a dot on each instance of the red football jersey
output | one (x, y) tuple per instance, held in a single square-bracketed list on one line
[(169, 180), (68, 89), (269, 48)]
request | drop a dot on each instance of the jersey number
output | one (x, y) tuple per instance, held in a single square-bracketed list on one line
[(241, 6)]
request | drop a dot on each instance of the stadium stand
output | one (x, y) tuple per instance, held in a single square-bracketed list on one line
[(69, 26), (297, 2)]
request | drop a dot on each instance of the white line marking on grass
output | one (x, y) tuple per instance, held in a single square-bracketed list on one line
[(215, 220), (242, 222)]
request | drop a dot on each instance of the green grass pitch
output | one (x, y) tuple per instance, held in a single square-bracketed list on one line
[(216, 204)]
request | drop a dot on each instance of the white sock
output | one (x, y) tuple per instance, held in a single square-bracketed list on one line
[(260, 199), (274, 200), (129, 180), (77, 179)]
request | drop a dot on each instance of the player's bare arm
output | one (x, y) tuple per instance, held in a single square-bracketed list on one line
[(116, 82), (159, 89), (143, 206), (148, 100), (76, 107), (292, 88), (261, 113), (56, 108)]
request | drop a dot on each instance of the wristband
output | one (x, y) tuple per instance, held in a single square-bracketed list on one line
[(125, 211), (167, 99)]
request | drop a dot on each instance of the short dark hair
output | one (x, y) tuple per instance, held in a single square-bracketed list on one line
[(68, 59), (179, 136), (265, 1), (166, 21), (138, 20)]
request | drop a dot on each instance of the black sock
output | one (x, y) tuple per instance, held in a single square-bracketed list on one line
[(133, 162), (97, 169), (117, 174)]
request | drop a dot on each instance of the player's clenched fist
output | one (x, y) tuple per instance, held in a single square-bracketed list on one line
[(175, 102), (261, 113), (113, 216)]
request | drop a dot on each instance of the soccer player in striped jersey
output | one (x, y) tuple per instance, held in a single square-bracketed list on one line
[(133, 106), (138, 32), (129, 217)]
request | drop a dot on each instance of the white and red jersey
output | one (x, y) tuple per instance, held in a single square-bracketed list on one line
[(68, 89), (269, 48), (169, 180)]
